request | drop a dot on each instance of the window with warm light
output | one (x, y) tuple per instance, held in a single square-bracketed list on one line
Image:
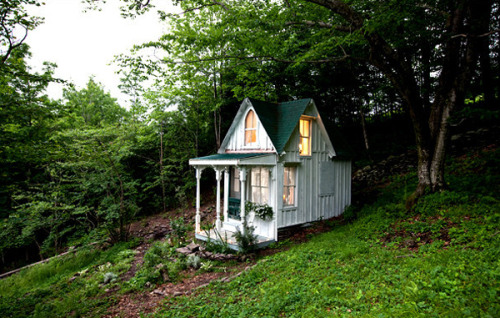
[(305, 137), (235, 183), (250, 128), (289, 186), (260, 185)]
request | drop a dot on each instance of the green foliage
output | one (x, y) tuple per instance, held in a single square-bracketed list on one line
[(193, 261), (161, 264), (75, 179), (179, 229), (246, 238), (93, 106), (263, 211), (349, 214), (109, 277), (218, 244), (475, 112)]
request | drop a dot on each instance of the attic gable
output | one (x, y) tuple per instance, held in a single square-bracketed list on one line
[(235, 137), (277, 119)]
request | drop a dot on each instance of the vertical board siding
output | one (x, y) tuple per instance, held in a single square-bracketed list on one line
[(310, 205), (237, 139)]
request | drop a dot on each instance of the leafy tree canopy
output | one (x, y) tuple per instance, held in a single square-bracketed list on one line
[(427, 50)]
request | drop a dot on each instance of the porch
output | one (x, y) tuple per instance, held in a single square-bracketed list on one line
[(232, 168), (229, 238)]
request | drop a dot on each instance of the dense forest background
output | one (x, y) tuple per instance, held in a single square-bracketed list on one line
[(78, 169)]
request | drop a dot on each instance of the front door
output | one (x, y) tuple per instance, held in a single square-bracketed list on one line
[(233, 209)]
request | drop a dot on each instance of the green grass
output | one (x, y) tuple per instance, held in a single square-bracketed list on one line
[(48, 290), (354, 270)]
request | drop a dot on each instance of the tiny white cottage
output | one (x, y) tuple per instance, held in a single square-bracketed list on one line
[(279, 155)]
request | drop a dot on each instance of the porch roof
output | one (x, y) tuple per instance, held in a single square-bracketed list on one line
[(235, 159)]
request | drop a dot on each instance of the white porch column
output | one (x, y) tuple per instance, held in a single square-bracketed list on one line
[(198, 218), (243, 178), (278, 177), (217, 205), (226, 192)]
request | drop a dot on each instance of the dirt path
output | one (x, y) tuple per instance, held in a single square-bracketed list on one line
[(134, 304), (155, 228)]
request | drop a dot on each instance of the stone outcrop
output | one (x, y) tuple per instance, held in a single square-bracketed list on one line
[(198, 250)]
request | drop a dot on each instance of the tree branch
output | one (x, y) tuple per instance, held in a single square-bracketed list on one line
[(342, 9), (311, 23), (214, 3), (8, 35), (464, 35), (321, 24)]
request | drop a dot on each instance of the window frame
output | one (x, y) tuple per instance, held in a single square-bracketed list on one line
[(289, 186), (262, 171), (251, 130), (305, 137)]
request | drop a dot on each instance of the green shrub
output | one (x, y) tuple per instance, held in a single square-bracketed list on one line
[(246, 238), (161, 264), (179, 229), (109, 277), (263, 211), (434, 203), (193, 261)]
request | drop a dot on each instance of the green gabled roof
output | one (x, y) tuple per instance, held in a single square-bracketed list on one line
[(279, 120)]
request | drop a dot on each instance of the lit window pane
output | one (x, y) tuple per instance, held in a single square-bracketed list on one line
[(264, 199), (250, 120), (305, 137), (259, 185), (305, 146), (305, 133), (256, 194), (289, 186), (255, 177), (264, 178), (250, 128)]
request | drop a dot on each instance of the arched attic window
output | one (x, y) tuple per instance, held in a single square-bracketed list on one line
[(250, 128)]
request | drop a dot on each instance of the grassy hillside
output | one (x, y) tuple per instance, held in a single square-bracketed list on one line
[(53, 290), (441, 259)]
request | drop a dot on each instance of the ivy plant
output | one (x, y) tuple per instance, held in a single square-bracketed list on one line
[(263, 211)]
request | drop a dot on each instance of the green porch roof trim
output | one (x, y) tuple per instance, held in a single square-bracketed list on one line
[(279, 120), (230, 156)]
